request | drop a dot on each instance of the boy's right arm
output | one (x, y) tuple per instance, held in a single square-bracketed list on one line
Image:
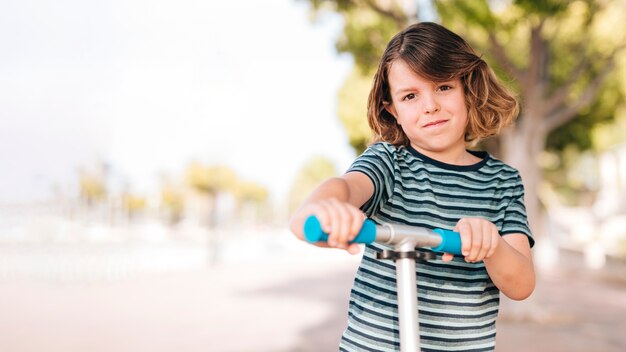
[(336, 204)]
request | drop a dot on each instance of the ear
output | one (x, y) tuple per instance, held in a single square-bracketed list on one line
[(390, 109)]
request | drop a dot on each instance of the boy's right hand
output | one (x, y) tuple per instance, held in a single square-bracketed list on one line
[(340, 220)]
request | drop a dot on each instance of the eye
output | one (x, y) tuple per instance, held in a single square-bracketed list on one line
[(409, 97), (444, 87)]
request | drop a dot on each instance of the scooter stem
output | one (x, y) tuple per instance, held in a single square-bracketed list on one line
[(407, 299)]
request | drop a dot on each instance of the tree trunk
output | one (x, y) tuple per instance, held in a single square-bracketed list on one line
[(521, 147)]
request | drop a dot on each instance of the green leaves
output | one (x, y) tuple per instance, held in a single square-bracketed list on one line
[(353, 109), (471, 12), (544, 7)]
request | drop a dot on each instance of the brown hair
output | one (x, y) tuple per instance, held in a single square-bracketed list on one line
[(436, 53)]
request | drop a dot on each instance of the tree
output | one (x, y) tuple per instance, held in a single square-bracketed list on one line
[(314, 171), (172, 203), (557, 54), (251, 200), (92, 184), (133, 204), (211, 181), (215, 180), (352, 109), (92, 188)]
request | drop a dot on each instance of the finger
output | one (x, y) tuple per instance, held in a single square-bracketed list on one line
[(477, 240), (332, 219), (342, 232), (466, 236), (446, 257), (353, 248), (320, 212), (486, 245), (357, 223)]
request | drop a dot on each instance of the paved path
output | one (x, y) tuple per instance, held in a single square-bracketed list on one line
[(280, 303), (572, 309)]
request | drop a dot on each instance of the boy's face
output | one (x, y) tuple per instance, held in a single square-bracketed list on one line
[(433, 115)]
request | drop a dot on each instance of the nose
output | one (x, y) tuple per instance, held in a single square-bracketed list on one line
[(430, 104)]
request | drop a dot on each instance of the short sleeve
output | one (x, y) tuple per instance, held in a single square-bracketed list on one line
[(515, 218), (377, 163)]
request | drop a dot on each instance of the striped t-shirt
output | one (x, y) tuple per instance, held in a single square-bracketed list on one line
[(458, 302)]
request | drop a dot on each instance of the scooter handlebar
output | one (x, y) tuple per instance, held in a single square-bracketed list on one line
[(313, 231), (450, 241)]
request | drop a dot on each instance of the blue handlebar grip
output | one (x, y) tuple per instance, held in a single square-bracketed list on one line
[(450, 242), (313, 231)]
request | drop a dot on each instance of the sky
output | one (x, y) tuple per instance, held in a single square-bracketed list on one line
[(149, 86)]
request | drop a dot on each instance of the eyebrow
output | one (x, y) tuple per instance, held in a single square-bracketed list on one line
[(404, 90)]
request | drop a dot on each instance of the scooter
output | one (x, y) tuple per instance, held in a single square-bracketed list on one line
[(405, 239)]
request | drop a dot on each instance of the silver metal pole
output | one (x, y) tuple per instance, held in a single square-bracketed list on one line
[(407, 299), (406, 239)]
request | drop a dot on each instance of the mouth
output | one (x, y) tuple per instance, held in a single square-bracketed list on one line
[(435, 123)]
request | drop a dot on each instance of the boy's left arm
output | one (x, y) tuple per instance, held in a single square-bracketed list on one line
[(511, 266), (507, 258)]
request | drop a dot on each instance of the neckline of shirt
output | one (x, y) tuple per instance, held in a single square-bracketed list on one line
[(484, 157)]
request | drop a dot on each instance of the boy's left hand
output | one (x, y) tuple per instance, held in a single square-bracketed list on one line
[(479, 239)]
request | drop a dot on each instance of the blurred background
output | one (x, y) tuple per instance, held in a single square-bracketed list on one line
[(151, 153)]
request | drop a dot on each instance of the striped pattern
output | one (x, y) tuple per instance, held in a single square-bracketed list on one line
[(458, 303)]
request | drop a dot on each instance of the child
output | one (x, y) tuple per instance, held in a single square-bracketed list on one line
[(432, 96)]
